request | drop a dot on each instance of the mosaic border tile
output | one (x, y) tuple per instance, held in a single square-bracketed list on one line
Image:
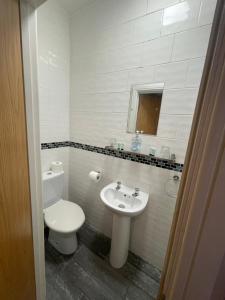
[(55, 145), (135, 157)]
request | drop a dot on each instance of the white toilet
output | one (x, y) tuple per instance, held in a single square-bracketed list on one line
[(62, 217)]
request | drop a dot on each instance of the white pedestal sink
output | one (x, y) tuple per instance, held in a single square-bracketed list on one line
[(124, 204)]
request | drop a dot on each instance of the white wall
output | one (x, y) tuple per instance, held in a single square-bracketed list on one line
[(53, 71), (54, 81), (116, 44), (119, 43)]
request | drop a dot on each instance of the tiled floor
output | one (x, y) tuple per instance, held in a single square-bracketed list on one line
[(84, 275)]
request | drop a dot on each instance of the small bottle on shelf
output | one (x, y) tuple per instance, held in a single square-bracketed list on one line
[(136, 142)]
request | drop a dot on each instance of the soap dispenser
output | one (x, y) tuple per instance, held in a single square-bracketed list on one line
[(136, 142)]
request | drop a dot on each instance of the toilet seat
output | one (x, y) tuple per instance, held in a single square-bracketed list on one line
[(64, 216)]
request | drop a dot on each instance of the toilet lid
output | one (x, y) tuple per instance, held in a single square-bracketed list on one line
[(64, 216)]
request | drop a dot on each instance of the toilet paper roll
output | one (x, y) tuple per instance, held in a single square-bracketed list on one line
[(95, 176), (57, 166)]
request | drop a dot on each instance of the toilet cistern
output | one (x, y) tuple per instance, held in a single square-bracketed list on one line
[(124, 202)]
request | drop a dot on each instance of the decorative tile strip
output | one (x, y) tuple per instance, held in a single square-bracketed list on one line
[(54, 145), (135, 157)]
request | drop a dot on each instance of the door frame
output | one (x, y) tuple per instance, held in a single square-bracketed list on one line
[(188, 229), (29, 51)]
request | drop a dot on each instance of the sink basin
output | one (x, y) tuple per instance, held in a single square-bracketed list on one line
[(122, 201), (124, 205)]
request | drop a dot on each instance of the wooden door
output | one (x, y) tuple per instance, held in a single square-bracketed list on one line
[(17, 281), (148, 113)]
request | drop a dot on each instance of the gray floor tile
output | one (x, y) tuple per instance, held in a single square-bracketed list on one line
[(101, 271), (86, 276), (94, 289), (135, 293), (97, 242), (56, 287), (145, 267), (54, 260), (140, 279)]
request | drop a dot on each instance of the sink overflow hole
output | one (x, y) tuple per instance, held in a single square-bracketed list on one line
[(121, 206)]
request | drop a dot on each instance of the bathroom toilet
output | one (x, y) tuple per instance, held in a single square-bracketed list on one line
[(62, 217)]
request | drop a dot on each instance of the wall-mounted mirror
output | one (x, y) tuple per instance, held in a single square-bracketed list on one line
[(144, 109)]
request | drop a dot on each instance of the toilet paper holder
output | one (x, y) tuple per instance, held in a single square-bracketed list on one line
[(95, 176)]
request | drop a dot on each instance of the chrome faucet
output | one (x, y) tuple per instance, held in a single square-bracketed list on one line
[(136, 192), (118, 187)]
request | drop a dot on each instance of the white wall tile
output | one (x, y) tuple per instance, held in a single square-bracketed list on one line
[(194, 73), (111, 82), (105, 102), (124, 58), (128, 9), (179, 101), (97, 128), (53, 72), (181, 16), (207, 11), (140, 76), (82, 83), (191, 44), (154, 5), (157, 51), (147, 27), (172, 74), (174, 126), (120, 35)]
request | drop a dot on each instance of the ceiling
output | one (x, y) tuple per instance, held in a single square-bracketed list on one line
[(72, 5)]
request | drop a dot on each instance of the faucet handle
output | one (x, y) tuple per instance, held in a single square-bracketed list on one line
[(118, 185), (136, 192)]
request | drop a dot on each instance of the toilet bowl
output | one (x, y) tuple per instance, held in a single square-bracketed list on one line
[(62, 217)]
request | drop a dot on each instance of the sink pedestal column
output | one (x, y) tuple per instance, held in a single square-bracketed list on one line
[(120, 240)]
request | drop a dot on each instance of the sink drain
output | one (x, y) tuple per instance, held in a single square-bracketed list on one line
[(121, 206)]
